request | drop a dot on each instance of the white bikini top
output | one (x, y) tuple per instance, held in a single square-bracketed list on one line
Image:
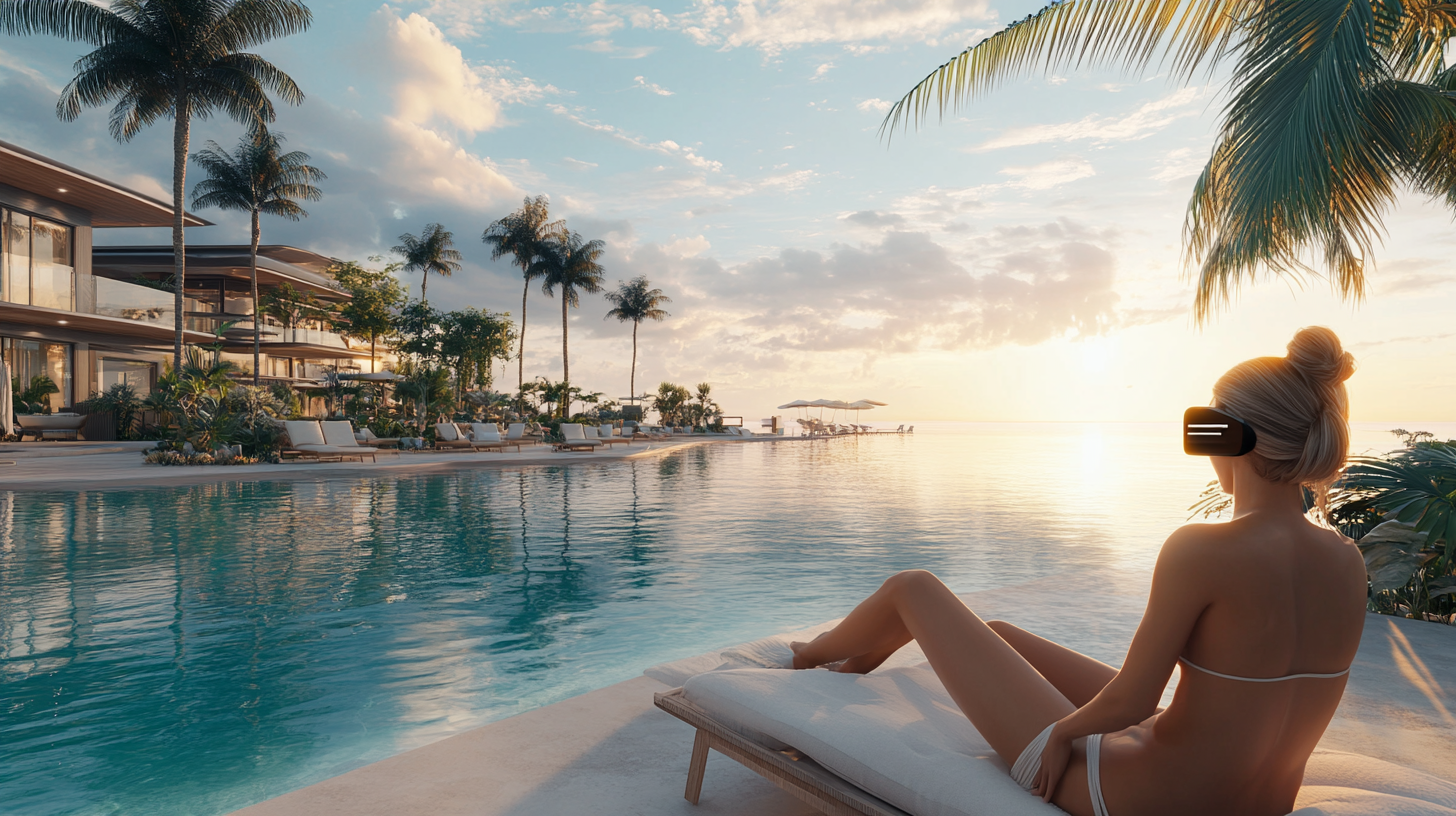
[(1185, 661)]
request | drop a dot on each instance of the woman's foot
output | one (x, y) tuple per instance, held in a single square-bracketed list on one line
[(802, 661)]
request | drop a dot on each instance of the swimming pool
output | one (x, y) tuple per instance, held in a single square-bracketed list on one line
[(194, 650)]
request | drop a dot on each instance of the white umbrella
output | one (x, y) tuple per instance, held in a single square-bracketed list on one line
[(795, 404), (6, 408), (863, 405)]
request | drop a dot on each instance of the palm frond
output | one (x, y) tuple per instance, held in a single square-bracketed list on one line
[(68, 19), (1309, 155), (1076, 33)]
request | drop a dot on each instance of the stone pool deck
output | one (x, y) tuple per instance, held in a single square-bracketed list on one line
[(611, 752), (110, 465)]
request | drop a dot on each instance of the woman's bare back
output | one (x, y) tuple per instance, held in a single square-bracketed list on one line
[(1284, 597)]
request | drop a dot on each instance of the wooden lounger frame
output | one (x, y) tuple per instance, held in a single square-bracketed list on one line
[(800, 776)]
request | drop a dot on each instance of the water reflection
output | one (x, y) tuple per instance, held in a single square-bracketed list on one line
[(194, 650)]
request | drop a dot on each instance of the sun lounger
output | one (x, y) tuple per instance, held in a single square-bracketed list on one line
[(448, 437), (367, 437), (516, 435), (306, 438), (604, 433), (574, 439), (893, 743), (340, 435), (486, 436)]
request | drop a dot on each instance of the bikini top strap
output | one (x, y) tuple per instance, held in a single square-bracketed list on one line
[(1310, 675)]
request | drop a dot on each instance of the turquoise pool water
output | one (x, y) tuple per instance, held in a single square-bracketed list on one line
[(195, 650)]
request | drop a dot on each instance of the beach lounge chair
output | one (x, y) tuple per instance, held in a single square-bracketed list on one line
[(448, 437), (604, 433), (306, 438), (366, 437), (893, 743), (486, 436), (516, 435), (574, 439), (340, 435)]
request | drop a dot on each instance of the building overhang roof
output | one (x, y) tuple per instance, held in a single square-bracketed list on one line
[(109, 203), (41, 319), (277, 264)]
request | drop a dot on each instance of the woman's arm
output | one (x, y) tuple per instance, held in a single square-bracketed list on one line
[(1180, 593)]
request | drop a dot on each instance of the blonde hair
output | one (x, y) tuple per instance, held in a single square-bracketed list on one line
[(1299, 410)]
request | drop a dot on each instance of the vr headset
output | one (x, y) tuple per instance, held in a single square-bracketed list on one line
[(1211, 432)]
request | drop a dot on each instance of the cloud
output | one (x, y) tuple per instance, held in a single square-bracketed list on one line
[(874, 218), (1050, 174), (430, 81), (899, 294), (615, 51), (651, 86), (578, 164), (1180, 164), (667, 147), (772, 27), (821, 71), (1148, 119), (1411, 275), (875, 105)]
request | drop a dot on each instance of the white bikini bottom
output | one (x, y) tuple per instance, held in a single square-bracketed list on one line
[(1029, 763)]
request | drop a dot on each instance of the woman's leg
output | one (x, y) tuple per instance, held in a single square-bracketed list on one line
[(1003, 696), (1078, 677)]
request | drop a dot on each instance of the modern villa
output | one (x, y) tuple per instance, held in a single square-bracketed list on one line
[(90, 317)]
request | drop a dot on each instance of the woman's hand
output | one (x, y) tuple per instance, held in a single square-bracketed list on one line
[(1054, 759)]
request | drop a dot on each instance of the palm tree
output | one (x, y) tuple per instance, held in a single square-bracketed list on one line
[(570, 263), (1335, 105), (256, 179), (521, 235), (433, 251), (168, 58), (636, 302)]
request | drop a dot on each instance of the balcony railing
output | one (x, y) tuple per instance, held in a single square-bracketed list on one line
[(278, 334), (131, 302)]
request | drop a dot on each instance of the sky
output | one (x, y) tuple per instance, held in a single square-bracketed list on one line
[(1019, 259)]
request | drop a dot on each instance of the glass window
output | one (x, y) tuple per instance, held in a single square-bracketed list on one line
[(31, 358), (136, 373), (17, 257), (51, 270)]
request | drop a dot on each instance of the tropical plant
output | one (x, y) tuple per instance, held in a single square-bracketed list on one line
[(636, 301), (470, 340), (706, 408), (374, 297), (1335, 105), (291, 307), (522, 235), (670, 402), (123, 403), (35, 397), (258, 179), (156, 59), (432, 251), (337, 393), (428, 392), (570, 263)]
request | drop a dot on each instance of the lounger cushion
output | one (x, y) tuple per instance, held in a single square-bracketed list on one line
[(303, 432), (339, 433), (484, 432), (897, 734)]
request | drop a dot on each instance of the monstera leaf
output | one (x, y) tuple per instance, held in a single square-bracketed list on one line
[(1393, 552)]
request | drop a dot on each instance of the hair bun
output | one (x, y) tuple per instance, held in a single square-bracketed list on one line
[(1316, 354)]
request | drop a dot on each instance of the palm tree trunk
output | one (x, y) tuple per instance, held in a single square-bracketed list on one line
[(632, 380), (253, 282), (424, 281), (565, 363), (521, 356), (180, 133), (371, 352)]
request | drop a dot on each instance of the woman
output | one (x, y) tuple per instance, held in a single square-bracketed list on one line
[(1264, 613)]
